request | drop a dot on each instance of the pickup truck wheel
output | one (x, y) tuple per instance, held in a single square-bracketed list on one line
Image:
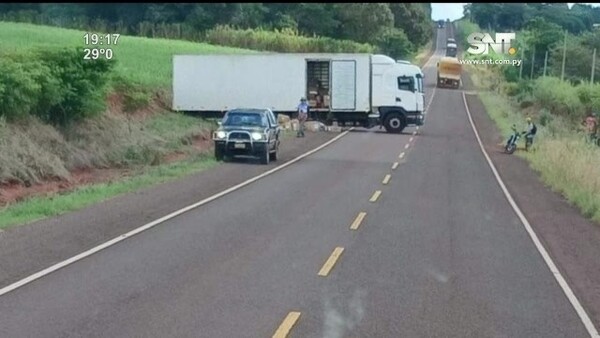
[(394, 123), (219, 155), (274, 153), (265, 156)]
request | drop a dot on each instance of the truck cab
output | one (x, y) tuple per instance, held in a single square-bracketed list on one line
[(451, 49), (397, 93)]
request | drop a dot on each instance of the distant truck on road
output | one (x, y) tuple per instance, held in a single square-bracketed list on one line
[(448, 72), (451, 49), (353, 89)]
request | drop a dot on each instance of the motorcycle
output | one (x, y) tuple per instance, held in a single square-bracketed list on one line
[(511, 144)]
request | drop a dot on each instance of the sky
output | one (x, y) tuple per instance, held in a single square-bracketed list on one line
[(454, 11)]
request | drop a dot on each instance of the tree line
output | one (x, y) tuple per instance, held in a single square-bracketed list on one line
[(515, 16), (388, 25), (542, 30)]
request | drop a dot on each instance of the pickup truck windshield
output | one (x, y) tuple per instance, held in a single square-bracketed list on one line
[(245, 119)]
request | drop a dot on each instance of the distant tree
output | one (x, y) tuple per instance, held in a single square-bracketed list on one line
[(394, 43), (364, 22), (249, 15), (316, 18), (509, 16), (543, 34), (591, 40), (62, 14), (578, 61), (414, 20)]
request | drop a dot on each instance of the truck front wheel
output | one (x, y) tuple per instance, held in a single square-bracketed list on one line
[(394, 123)]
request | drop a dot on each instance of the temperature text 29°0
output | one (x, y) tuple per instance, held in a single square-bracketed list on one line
[(96, 53)]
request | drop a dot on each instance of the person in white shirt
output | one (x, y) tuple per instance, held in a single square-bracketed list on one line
[(302, 116)]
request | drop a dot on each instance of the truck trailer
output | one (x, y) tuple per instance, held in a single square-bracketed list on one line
[(448, 72), (352, 89)]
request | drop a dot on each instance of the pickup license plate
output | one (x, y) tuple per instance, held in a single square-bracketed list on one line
[(239, 146)]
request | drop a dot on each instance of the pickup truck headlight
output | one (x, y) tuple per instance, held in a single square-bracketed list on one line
[(258, 136), (220, 134)]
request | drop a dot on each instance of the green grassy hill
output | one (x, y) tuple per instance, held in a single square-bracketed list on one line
[(143, 60), (138, 144)]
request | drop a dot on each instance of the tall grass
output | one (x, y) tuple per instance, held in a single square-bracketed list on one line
[(31, 151)]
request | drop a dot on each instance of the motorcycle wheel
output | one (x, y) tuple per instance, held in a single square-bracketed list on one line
[(511, 148)]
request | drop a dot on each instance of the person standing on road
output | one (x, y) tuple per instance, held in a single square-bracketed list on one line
[(302, 116), (591, 126)]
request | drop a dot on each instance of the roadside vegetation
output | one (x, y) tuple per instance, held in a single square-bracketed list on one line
[(41, 207), (63, 118), (565, 160)]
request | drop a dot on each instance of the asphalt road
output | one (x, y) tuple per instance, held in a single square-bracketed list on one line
[(439, 253)]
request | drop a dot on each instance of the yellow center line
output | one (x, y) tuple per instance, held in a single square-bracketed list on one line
[(401, 155), (395, 165), (386, 179), (337, 252), (358, 220), (406, 146), (286, 326), (375, 196)]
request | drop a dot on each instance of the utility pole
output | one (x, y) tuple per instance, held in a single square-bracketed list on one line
[(545, 63), (522, 62), (593, 67), (562, 73), (532, 63)]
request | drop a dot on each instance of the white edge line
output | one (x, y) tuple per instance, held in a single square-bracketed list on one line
[(147, 226), (559, 278)]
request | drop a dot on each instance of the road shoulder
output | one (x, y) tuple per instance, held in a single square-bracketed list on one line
[(571, 239), (27, 249)]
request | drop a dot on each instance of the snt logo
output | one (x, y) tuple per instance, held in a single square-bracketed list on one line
[(480, 43)]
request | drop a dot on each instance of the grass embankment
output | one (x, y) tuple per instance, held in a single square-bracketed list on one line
[(565, 161), (139, 141)]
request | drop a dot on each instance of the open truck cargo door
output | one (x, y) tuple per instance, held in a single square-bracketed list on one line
[(343, 85)]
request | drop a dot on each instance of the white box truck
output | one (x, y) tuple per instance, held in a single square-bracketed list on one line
[(353, 89)]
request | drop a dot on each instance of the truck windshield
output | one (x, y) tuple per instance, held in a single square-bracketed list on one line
[(420, 83), (245, 119)]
